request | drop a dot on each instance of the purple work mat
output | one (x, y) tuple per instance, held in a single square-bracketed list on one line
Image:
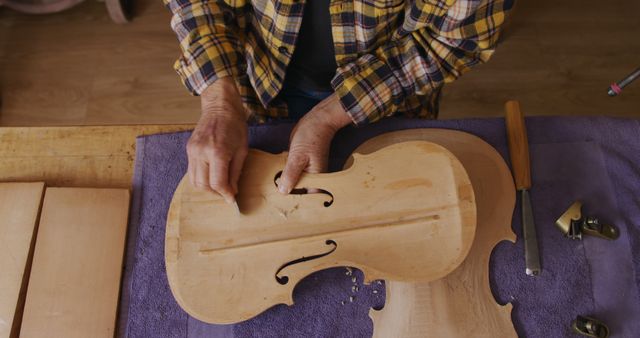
[(596, 160)]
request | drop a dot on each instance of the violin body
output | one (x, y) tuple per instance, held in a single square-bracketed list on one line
[(406, 212)]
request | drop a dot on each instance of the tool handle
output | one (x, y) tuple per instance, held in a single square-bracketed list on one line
[(518, 145), (624, 82)]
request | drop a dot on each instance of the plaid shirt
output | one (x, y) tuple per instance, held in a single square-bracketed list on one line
[(393, 56)]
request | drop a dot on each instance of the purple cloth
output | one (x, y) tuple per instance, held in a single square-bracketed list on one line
[(596, 160)]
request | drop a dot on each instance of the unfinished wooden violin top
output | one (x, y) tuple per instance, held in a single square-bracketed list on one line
[(405, 212)]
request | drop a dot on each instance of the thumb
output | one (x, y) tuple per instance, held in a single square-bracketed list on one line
[(292, 170)]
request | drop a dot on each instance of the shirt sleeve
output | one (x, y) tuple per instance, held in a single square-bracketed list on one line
[(435, 45), (207, 31)]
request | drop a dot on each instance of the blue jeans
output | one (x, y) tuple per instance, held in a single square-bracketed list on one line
[(300, 101)]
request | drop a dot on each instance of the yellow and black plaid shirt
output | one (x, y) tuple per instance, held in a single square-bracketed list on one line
[(393, 56)]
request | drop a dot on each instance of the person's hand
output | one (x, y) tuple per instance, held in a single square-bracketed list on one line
[(310, 141), (218, 146)]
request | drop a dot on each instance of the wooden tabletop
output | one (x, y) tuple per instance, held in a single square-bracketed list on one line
[(80, 156)]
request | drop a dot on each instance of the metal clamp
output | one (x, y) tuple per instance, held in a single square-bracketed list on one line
[(590, 327), (573, 225)]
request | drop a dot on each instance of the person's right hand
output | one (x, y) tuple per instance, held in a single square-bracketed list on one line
[(219, 145)]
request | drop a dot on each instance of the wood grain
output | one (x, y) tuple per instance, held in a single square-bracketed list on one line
[(419, 222), (557, 59), (460, 304), (19, 210), (73, 156), (77, 67), (77, 263), (518, 145)]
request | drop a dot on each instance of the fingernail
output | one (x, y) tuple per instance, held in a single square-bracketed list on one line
[(283, 189), (227, 198)]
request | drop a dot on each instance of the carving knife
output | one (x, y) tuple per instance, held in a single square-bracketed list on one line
[(519, 151)]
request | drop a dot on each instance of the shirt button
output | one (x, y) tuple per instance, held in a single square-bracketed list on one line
[(283, 50)]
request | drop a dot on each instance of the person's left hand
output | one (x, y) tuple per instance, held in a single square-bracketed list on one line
[(310, 141)]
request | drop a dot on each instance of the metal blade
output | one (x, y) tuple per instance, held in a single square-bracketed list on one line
[(531, 255)]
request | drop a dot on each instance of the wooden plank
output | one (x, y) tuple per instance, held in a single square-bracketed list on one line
[(460, 304), (19, 210), (75, 279), (89, 156)]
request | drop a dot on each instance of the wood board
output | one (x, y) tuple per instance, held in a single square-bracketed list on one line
[(460, 304), (412, 224), (89, 156), (75, 277), (19, 210)]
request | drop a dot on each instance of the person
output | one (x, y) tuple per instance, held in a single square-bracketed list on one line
[(324, 63)]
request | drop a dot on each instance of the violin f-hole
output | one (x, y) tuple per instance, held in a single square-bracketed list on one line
[(283, 280), (305, 191)]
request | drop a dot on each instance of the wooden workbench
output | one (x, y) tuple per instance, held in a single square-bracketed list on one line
[(81, 156)]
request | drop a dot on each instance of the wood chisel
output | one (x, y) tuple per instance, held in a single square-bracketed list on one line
[(519, 151)]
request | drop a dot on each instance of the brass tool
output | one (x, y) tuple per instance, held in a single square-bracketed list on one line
[(590, 327), (573, 224), (519, 151)]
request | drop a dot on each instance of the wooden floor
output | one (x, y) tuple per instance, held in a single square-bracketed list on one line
[(76, 67)]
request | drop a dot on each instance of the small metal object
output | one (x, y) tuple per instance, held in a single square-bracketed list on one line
[(590, 327), (616, 87), (531, 254), (573, 225)]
